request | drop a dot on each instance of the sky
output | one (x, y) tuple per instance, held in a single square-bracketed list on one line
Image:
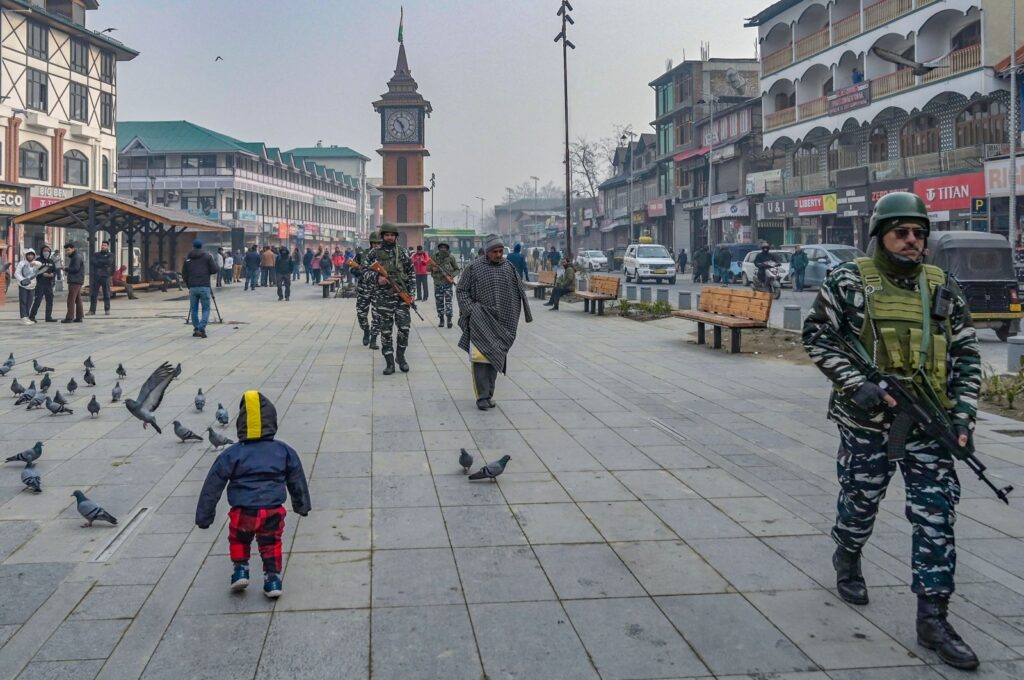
[(298, 71)]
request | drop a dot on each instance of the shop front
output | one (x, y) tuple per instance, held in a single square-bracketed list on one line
[(949, 199), (997, 188), (730, 221), (13, 201)]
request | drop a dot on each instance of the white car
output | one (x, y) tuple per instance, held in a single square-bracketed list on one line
[(648, 261), (592, 260), (750, 271)]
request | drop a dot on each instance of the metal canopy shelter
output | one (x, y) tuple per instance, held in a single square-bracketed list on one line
[(94, 211)]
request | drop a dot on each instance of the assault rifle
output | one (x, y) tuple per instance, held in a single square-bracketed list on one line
[(448, 277), (402, 295), (42, 269), (911, 410)]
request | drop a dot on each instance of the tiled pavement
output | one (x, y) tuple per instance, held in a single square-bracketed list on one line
[(664, 515)]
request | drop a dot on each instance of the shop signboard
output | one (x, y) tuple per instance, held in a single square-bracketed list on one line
[(656, 208), (758, 182), (211, 214), (729, 210), (879, 189), (40, 197), (247, 216), (821, 204), (849, 98), (952, 192), (997, 177), (779, 207), (282, 230), (852, 202), (12, 200)]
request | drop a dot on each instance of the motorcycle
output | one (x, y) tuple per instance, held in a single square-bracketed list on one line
[(772, 280)]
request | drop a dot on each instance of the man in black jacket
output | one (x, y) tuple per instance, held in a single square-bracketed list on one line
[(102, 264), (44, 284), (283, 268), (198, 268), (74, 272)]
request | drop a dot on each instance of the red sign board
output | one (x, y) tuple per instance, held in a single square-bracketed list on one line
[(849, 98), (656, 208), (953, 192), (37, 202), (282, 230)]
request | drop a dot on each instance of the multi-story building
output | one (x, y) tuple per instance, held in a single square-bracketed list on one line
[(532, 221), (862, 98), (264, 194), (629, 198), (343, 159), (57, 111)]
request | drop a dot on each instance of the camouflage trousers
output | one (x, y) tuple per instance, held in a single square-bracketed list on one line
[(443, 300), (364, 300), (390, 312), (933, 491)]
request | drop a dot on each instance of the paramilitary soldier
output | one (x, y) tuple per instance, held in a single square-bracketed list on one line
[(443, 268), (884, 305), (365, 290), (390, 308)]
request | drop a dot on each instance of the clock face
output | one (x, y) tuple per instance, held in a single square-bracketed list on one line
[(401, 126)]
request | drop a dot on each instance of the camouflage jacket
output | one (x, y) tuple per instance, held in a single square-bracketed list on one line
[(446, 262), (840, 303), (397, 263)]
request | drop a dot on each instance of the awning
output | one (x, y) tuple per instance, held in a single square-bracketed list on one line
[(690, 153)]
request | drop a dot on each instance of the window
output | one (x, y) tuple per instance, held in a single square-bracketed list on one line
[(33, 160), (842, 153), (76, 168), (106, 110), (80, 56), (878, 146), (806, 160), (196, 162), (402, 209), (38, 41), (38, 90), (107, 67), (982, 122), (967, 36), (79, 102), (920, 136), (106, 173), (403, 171)]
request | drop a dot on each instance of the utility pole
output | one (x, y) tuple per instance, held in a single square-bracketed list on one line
[(480, 198), (712, 135), (431, 200), (627, 139), (563, 11), (467, 214), (536, 211), (509, 193), (1014, 130)]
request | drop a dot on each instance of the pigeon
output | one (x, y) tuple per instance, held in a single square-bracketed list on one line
[(39, 368), (115, 394), (200, 400), (59, 398), (30, 478), (177, 372), (222, 414), (465, 460), (89, 378), (17, 387), (491, 470), (28, 455), (121, 373), (45, 383), (91, 511), (88, 362), (219, 58), (37, 402), (55, 408), (185, 434), (150, 396), (918, 68), (93, 406), (26, 395), (72, 386), (9, 361), (5, 369), (218, 440), (108, 30)]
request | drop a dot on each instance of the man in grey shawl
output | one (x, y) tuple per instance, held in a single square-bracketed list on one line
[(490, 297)]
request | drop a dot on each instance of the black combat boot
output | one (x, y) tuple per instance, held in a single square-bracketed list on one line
[(390, 368), (449, 322), (400, 358), (440, 322), (849, 579), (935, 632), (373, 341), (366, 337)]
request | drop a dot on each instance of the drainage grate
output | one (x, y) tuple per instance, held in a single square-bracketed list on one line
[(118, 539), (1010, 433), (667, 429)]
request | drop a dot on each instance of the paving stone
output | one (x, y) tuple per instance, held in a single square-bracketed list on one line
[(813, 556), (341, 465), (404, 578), (427, 642), (531, 487), (630, 520), (749, 564), (502, 574), (654, 485), (129, 571), (6, 632), (340, 493), (327, 580), (898, 673), (408, 528), (325, 530), (209, 592), (212, 647), (457, 490), (993, 597), (404, 492), (33, 583), (696, 518), (715, 483), (594, 486), (994, 670), (587, 571), (338, 647), (764, 517), (77, 640), (13, 533), (669, 568), (555, 523), (482, 525), (112, 602), (61, 670)]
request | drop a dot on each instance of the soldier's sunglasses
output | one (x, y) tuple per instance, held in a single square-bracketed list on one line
[(903, 232)]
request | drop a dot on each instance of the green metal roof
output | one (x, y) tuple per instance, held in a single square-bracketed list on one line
[(327, 152)]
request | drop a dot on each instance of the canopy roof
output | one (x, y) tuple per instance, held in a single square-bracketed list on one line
[(95, 210)]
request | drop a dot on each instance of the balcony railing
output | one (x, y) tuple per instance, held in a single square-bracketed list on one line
[(780, 118), (965, 59), (885, 11), (777, 60), (890, 84), (813, 108), (844, 29), (812, 44)]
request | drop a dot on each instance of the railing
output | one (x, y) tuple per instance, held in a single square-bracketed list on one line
[(780, 118), (844, 29), (812, 44), (964, 59), (890, 84), (777, 60), (885, 11), (965, 157), (922, 165), (813, 108)]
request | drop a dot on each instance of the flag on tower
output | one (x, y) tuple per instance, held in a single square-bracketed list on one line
[(401, 20)]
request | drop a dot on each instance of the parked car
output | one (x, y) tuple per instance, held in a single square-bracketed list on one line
[(648, 261), (822, 258), (749, 271), (738, 251), (592, 260)]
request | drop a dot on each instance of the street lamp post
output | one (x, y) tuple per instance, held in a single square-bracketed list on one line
[(467, 214), (563, 11), (536, 213), (508, 191), (481, 199), (1014, 131), (710, 101), (431, 200)]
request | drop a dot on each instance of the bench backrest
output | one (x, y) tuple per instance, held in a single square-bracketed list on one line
[(547, 278), (602, 284), (738, 302)]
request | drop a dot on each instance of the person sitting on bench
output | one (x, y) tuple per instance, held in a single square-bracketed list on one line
[(159, 272)]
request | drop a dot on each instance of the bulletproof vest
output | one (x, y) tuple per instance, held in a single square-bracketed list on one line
[(893, 330), (392, 261)]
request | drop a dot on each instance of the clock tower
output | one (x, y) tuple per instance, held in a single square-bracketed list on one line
[(403, 112)]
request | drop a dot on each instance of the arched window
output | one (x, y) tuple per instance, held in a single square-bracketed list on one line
[(402, 208), (806, 160), (842, 153), (781, 101), (34, 161), (403, 171), (827, 88), (920, 136), (76, 168), (983, 122), (878, 145), (106, 174), (967, 36)]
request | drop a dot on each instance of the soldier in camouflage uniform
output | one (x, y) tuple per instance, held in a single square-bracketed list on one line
[(443, 268), (389, 308), (878, 302), (365, 294)]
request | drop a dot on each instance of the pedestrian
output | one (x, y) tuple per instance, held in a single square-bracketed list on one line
[(48, 270), (74, 274), (257, 471), (252, 268), (350, 273), (315, 264), (101, 267), (394, 313), (236, 258), (565, 284), (268, 258), (933, 351), (283, 269), (798, 267), (723, 262), (366, 290), (198, 268), (25, 275), (296, 262), (491, 297), (160, 273), (338, 261), (419, 266), (682, 260), (443, 268), (219, 259), (553, 259), (701, 264), (229, 268), (325, 265), (519, 262), (307, 265)]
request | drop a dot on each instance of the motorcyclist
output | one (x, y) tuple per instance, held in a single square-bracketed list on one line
[(762, 261)]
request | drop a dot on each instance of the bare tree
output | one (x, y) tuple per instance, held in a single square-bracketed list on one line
[(590, 166)]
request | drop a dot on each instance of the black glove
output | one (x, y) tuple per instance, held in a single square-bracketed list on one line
[(868, 396), (960, 429)]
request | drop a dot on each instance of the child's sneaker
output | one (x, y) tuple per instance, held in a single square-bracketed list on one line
[(240, 577), (272, 586)]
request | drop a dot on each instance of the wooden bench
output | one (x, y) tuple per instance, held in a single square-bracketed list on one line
[(600, 288), (732, 308), (327, 285), (540, 287)]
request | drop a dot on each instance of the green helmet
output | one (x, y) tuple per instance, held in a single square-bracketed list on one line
[(388, 228), (375, 237), (898, 205)]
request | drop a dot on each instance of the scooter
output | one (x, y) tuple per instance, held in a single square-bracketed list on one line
[(772, 280)]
